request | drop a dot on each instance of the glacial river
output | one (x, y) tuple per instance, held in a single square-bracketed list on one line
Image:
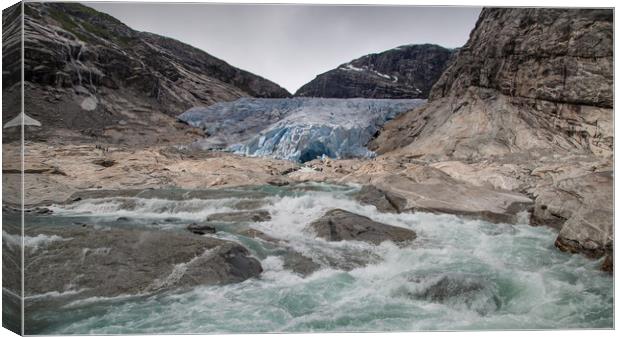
[(458, 274)]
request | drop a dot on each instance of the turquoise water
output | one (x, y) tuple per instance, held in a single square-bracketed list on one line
[(496, 276)]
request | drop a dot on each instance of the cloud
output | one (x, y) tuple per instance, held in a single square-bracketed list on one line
[(291, 44)]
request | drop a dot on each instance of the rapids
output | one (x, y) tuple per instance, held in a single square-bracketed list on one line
[(459, 274)]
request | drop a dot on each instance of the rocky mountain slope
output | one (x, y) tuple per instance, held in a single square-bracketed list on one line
[(403, 72), (527, 105), (90, 75)]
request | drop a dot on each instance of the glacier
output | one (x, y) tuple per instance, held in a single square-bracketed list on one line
[(298, 129)]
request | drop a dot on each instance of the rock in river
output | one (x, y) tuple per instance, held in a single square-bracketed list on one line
[(113, 262), (200, 229), (245, 216), (338, 225)]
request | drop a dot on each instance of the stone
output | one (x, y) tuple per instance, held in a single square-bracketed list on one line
[(460, 289), (383, 200), (582, 209), (299, 263), (244, 216), (112, 262), (201, 229), (338, 225)]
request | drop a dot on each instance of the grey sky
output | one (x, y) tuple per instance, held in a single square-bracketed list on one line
[(291, 44)]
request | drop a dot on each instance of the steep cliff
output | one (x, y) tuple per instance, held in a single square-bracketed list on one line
[(403, 72), (87, 72), (527, 105), (527, 80)]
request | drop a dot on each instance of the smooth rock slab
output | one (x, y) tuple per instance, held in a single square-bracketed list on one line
[(245, 216), (384, 201), (338, 225), (113, 262)]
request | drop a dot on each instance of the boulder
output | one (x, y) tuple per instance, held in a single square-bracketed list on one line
[(338, 225), (458, 289), (582, 209), (384, 201), (293, 260), (113, 262), (201, 229)]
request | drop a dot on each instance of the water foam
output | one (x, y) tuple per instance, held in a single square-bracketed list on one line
[(458, 274)]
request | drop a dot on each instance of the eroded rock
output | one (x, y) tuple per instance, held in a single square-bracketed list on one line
[(201, 229), (113, 262), (245, 216), (338, 225), (383, 200)]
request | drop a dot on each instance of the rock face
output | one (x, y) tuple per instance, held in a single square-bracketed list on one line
[(88, 73), (531, 86), (403, 72), (384, 201), (116, 262), (528, 80), (338, 225)]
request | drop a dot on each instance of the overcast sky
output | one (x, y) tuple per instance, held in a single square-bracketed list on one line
[(291, 44)]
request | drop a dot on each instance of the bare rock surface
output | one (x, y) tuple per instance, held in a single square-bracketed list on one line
[(338, 225), (90, 77), (245, 216), (113, 262), (418, 187), (402, 72), (526, 105)]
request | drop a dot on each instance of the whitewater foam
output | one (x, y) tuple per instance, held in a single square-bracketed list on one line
[(458, 274)]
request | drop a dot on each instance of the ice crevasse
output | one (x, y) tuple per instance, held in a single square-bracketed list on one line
[(298, 129)]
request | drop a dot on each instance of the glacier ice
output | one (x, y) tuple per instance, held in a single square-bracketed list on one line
[(298, 129)]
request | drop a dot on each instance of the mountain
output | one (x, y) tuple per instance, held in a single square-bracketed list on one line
[(88, 73), (403, 72), (528, 81), (527, 105)]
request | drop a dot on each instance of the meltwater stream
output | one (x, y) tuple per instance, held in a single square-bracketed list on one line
[(458, 274)]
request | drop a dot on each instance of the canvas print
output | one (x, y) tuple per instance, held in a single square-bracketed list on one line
[(265, 168)]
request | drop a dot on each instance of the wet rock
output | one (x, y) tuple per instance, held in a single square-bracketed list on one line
[(201, 229), (338, 225), (582, 207), (293, 260), (383, 200), (115, 261), (421, 188), (255, 233), (299, 263), (459, 290), (245, 216), (608, 264), (249, 204)]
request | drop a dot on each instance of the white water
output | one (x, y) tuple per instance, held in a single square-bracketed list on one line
[(509, 276)]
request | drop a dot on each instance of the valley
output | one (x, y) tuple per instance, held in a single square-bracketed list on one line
[(419, 188)]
